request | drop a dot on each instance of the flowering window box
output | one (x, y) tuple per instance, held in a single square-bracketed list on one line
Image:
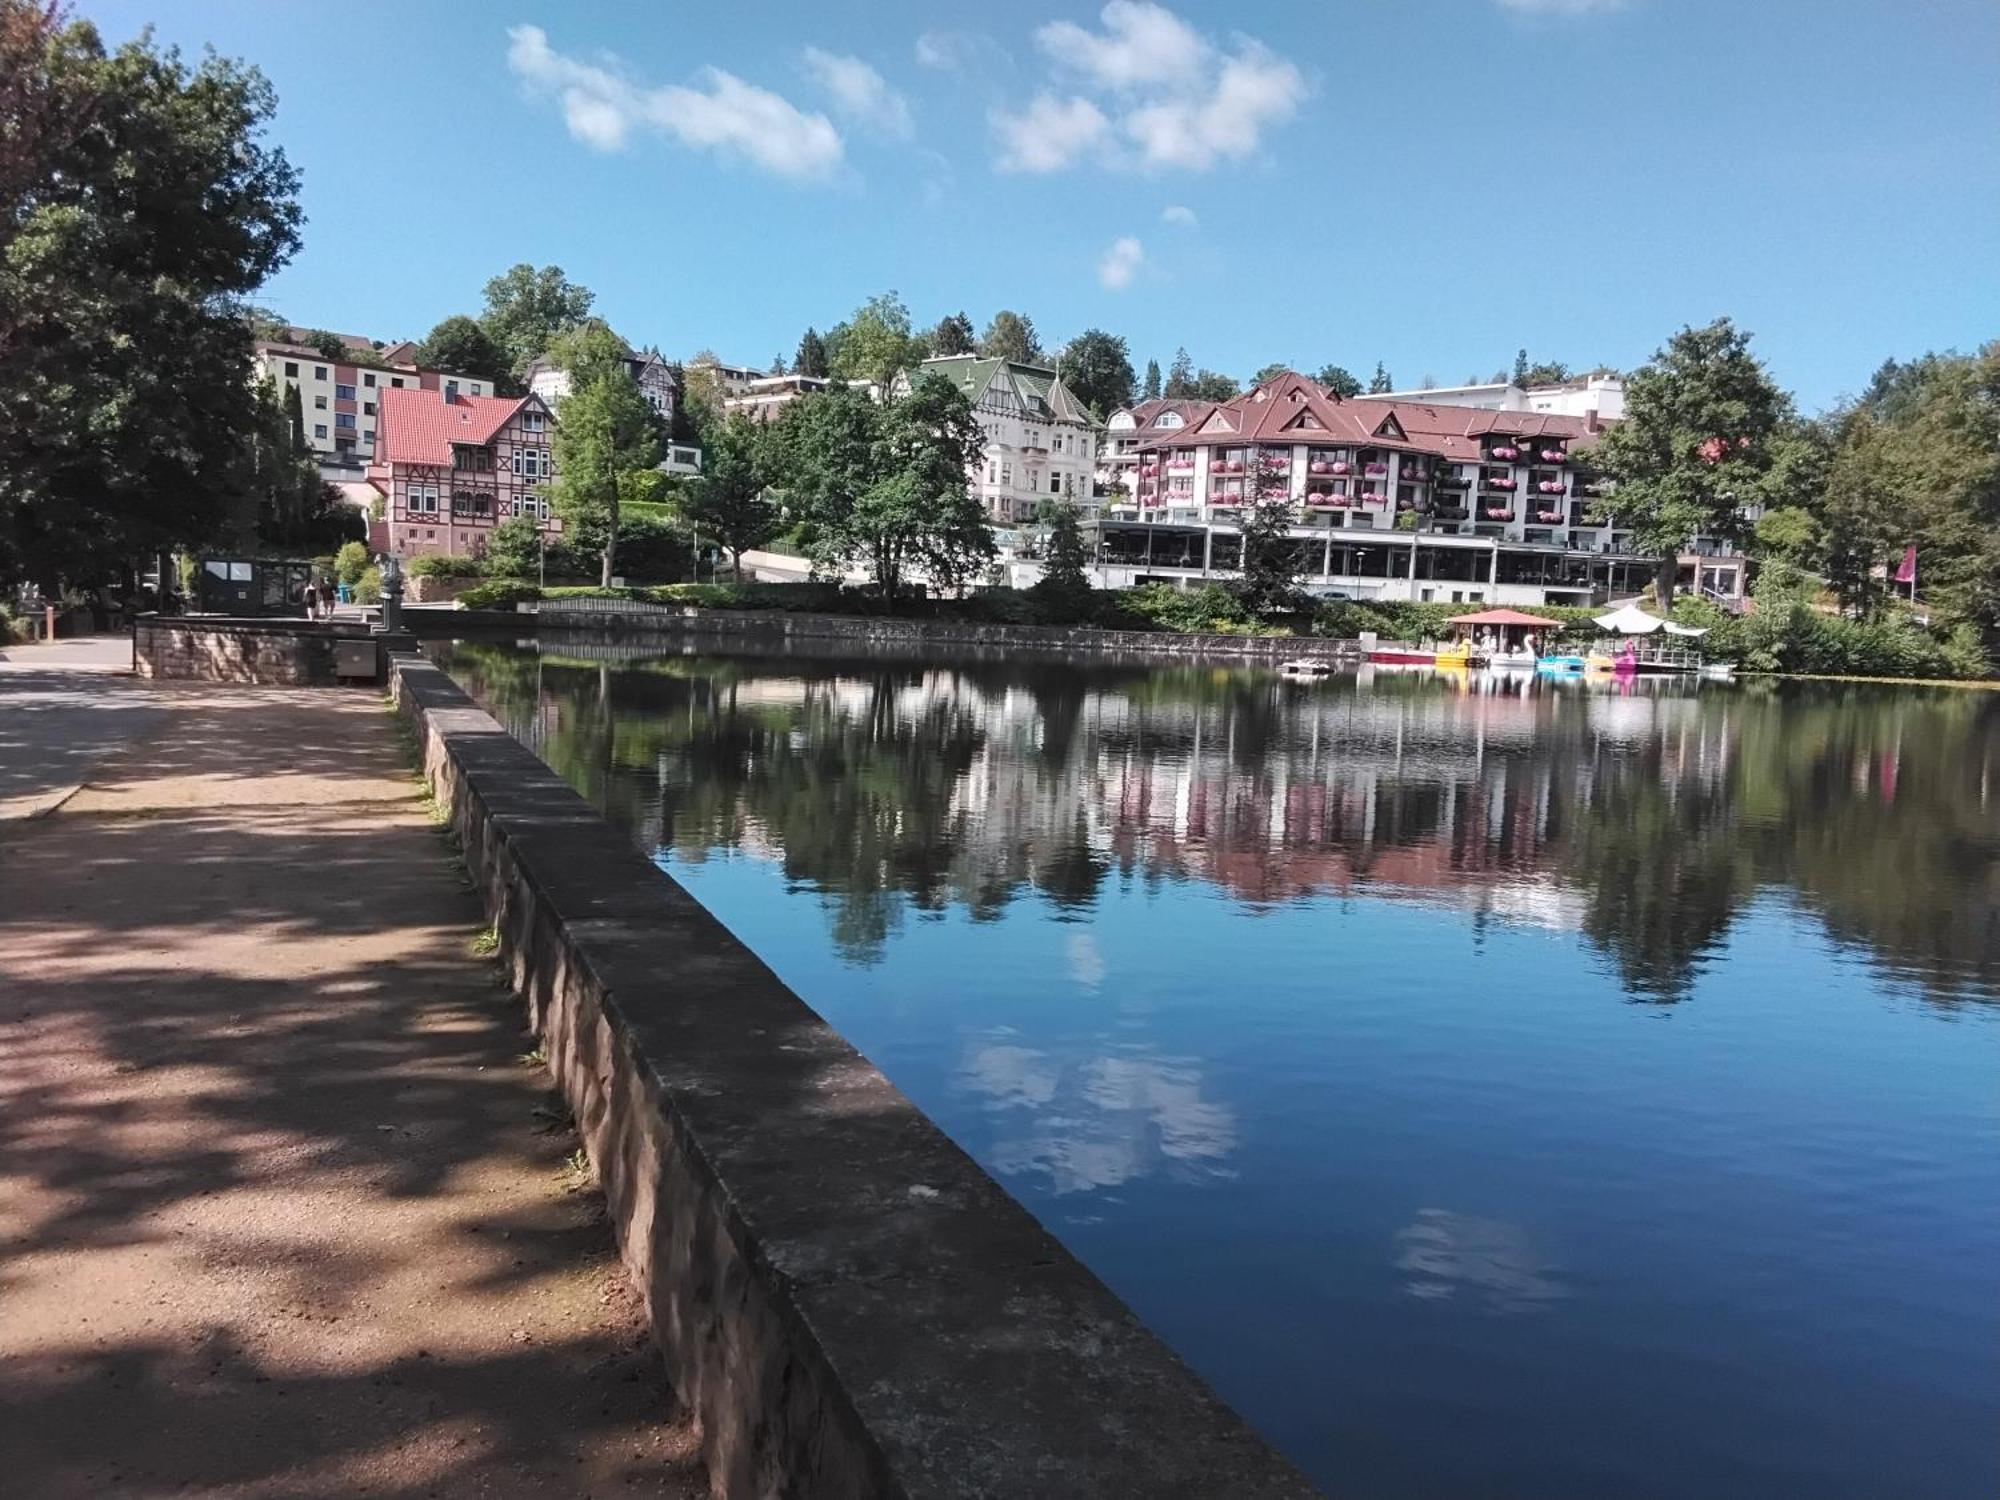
[(1548, 517), (1499, 512), (1508, 453), (1373, 470), (1550, 487), (1340, 466), (1500, 484), (1552, 455)]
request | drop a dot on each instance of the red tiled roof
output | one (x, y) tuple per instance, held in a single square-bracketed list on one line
[(419, 427), (1289, 408)]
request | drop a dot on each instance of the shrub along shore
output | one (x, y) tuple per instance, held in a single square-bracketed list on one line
[(1777, 637)]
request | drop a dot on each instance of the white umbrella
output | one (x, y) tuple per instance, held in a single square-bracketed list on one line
[(1630, 620)]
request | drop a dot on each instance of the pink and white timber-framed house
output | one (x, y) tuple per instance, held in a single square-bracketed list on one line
[(452, 467)]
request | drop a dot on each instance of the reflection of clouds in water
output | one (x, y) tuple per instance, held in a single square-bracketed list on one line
[(1086, 964), (1100, 1121), (1492, 1261)]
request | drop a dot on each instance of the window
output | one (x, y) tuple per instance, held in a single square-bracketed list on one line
[(292, 369), (1006, 473), (396, 381), (528, 462), (344, 419), (475, 388), (319, 372), (368, 408), (319, 403), (368, 379), (466, 456), (531, 421), (319, 429), (343, 392), (450, 389), (1055, 484)]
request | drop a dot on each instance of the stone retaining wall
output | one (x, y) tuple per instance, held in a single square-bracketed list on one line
[(851, 1306), (614, 619), (276, 652)]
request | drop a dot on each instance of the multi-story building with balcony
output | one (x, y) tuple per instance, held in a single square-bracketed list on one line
[(450, 467), (1395, 499), (1041, 443), (1601, 396), (1128, 427), (341, 400)]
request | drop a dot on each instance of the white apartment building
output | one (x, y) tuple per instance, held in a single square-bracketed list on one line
[(341, 399), (1041, 442), (1601, 396)]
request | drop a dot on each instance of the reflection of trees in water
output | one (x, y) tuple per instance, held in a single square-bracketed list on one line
[(1644, 821)]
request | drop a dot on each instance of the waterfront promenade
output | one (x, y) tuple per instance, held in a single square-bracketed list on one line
[(284, 1211)]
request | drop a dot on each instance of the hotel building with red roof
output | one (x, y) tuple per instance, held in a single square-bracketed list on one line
[(1396, 499)]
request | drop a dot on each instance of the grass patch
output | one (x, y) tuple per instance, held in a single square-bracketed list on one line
[(486, 944)]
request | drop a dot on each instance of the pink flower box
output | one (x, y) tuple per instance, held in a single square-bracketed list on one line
[(1321, 466), (1506, 452), (1548, 517), (1552, 455), (1340, 467), (1374, 469), (1503, 483), (1499, 513)]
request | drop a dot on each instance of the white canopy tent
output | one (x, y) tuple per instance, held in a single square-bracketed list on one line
[(1632, 620)]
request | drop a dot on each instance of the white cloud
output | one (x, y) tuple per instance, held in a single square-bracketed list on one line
[(1120, 263), (1180, 100), (1142, 43), (860, 94), (1050, 134), (1560, 7), (1179, 213), (948, 51), (602, 108)]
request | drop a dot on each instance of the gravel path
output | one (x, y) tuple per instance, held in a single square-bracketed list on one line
[(284, 1210)]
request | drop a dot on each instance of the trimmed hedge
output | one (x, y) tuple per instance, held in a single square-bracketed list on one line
[(445, 565)]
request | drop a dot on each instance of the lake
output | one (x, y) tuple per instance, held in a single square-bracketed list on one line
[(1497, 1087)]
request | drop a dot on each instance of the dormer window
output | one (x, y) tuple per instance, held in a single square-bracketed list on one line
[(1168, 419)]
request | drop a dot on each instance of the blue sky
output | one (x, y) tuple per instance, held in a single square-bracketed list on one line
[(1431, 183)]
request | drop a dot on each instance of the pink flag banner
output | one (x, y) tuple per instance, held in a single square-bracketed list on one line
[(1906, 570)]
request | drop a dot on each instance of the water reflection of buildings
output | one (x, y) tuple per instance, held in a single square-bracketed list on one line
[(1644, 820)]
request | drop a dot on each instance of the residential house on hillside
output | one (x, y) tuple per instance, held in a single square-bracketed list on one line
[(1126, 428), (1041, 442), (657, 382), (451, 467), (1396, 499), (340, 400)]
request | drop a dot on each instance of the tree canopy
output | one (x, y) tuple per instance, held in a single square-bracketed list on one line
[(1381, 382), (875, 342), (1011, 335), (1151, 389), (1339, 380), (606, 445), (526, 308), (139, 206), (1696, 446), (731, 499), (953, 335), (1097, 366), (811, 356), (462, 346)]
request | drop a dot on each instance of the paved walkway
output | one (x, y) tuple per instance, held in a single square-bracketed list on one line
[(283, 1211)]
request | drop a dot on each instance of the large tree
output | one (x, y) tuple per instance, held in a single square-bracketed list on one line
[(885, 482), (464, 347), (1381, 382), (1151, 390), (1097, 366), (1270, 563), (1212, 385), (607, 441), (1180, 376), (1065, 580), (1339, 380), (526, 308), (1011, 335), (953, 335), (1696, 446), (1269, 372), (731, 498), (139, 204), (876, 342), (811, 358)]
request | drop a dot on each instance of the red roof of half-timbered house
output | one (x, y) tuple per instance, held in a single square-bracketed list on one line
[(419, 427)]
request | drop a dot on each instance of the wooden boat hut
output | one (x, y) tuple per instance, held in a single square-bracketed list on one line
[(1504, 636)]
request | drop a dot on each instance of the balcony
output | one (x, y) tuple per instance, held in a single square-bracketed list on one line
[(1453, 481), (1553, 455), (1449, 513), (1329, 466), (1502, 482), (1503, 454), (1496, 512), (1375, 471), (1548, 517)]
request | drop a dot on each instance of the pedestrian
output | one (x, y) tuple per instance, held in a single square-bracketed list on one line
[(312, 601)]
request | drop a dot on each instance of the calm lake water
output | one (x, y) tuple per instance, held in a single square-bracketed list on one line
[(1530, 1089)]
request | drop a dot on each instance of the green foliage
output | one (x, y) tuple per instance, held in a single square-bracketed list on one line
[(501, 593), (875, 343), (1097, 367), (652, 550), (1151, 390), (445, 565), (1791, 533), (953, 335), (1210, 385), (1064, 586), (1381, 382), (811, 356), (1269, 372), (350, 562), (1339, 381), (138, 204), (368, 587), (1271, 563), (515, 548), (462, 346), (526, 308), (331, 345), (1180, 377), (731, 498), (1011, 335), (606, 441), (1697, 442), (885, 482)]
